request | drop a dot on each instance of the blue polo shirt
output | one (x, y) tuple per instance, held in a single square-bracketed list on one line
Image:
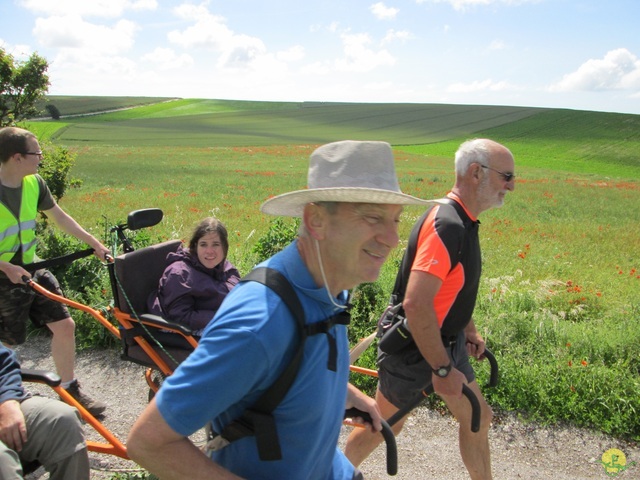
[(251, 339)]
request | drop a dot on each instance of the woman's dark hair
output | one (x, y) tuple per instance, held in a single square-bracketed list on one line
[(210, 225)]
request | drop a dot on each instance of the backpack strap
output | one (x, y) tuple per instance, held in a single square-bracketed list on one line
[(258, 419), (402, 278)]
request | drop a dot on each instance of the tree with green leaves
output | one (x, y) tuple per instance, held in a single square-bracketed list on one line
[(22, 84)]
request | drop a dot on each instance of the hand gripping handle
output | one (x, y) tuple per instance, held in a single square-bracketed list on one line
[(387, 434)]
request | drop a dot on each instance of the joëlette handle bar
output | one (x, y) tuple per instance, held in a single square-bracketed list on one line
[(62, 260), (493, 379), (466, 391), (85, 308), (387, 434)]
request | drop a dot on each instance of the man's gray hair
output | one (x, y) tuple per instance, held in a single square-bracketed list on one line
[(471, 151)]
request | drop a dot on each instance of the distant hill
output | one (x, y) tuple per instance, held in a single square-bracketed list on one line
[(83, 105), (558, 139), (200, 122)]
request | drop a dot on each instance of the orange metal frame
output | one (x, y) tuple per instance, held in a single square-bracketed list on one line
[(113, 445)]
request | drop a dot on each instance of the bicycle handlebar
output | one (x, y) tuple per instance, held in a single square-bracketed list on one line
[(387, 434)]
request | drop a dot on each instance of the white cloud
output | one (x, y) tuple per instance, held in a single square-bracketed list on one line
[(396, 35), (463, 5), (211, 32), (618, 70), (82, 8), (71, 31), (333, 27), (497, 45), (382, 12), (166, 59), (70, 65), (480, 86), (292, 54), (18, 52), (208, 31), (189, 11), (241, 51), (358, 57)]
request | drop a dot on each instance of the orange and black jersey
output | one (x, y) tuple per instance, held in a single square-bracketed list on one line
[(448, 247)]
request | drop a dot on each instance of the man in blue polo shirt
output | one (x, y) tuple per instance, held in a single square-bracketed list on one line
[(350, 213)]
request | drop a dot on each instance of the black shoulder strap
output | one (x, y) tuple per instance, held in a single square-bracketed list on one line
[(402, 277), (258, 419), (279, 284), (400, 286)]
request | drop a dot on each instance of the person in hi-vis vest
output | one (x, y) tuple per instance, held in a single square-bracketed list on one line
[(23, 193)]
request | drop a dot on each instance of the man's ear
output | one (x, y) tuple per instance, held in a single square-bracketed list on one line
[(476, 171), (314, 219)]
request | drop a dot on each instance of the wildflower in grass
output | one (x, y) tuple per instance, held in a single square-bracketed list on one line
[(570, 363), (568, 345), (573, 389), (522, 255), (583, 363)]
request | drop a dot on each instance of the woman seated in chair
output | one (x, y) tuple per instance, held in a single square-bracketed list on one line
[(196, 278)]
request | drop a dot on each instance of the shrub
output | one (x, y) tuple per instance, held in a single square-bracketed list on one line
[(53, 111), (56, 165), (280, 234)]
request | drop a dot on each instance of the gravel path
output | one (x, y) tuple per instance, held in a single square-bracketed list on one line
[(427, 448)]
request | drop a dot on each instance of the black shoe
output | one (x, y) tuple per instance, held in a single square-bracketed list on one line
[(94, 407)]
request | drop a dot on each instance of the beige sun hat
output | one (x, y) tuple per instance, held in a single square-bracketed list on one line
[(346, 171)]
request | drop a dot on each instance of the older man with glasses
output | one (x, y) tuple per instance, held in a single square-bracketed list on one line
[(438, 304), (23, 193)]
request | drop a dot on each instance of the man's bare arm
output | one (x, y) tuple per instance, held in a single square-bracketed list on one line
[(154, 445)]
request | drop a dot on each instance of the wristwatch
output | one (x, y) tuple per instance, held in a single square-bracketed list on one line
[(442, 372)]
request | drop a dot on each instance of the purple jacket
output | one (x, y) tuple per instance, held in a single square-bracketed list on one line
[(188, 292)]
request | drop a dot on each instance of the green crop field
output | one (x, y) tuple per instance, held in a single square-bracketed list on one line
[(559, 301), (73, 105), (208, 123)]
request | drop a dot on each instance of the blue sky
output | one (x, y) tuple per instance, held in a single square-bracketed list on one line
[(578, 54)]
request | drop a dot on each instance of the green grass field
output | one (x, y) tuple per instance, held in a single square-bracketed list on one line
[(559, 301), (210, 123)]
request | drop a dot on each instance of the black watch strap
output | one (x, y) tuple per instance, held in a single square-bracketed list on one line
[(443, 371)]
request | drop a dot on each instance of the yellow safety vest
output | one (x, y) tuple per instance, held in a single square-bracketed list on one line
[(20, 234)]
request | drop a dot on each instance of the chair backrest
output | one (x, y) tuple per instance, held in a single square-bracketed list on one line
[(138, 273)]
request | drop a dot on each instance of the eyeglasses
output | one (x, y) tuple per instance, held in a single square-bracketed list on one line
[(507, 176), (39, 154)]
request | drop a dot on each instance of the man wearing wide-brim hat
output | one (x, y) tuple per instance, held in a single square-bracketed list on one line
[(350, 214)]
